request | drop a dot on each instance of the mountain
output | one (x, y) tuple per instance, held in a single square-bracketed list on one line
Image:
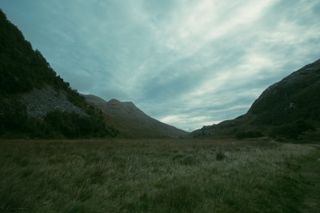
[(289, 108), (34, 101), (131, 122)]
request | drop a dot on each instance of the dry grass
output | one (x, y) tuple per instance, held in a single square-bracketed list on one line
[(151, 176)]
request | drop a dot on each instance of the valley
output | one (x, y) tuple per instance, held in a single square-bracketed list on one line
[(75, 152), (160, 175)]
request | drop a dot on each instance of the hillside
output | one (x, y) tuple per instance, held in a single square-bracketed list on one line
[(288, 108), (34, 101), (131, 122)]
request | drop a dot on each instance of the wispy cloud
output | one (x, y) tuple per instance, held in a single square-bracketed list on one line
[(186, 62)]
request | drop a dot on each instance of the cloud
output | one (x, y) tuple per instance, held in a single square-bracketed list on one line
[(186, 62)]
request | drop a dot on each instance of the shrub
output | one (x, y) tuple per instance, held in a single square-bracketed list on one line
[(220, 156), (73, 125), (13, 115)]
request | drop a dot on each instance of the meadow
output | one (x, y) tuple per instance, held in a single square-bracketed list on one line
[(115, 175)]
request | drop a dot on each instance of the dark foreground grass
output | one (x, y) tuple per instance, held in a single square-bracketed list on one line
[(156, 176)]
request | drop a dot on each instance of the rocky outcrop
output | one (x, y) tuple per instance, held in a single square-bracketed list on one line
[(40, 102)]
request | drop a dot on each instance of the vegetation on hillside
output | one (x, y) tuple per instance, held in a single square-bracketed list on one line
[(287, 109), (22, 70), (293, 98)]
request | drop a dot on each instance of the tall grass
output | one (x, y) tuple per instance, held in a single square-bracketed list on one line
[(150, 176)]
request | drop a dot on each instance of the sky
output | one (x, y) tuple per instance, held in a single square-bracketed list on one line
[(188, 63)]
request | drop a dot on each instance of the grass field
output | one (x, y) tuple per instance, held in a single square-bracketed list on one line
[(158, 176)]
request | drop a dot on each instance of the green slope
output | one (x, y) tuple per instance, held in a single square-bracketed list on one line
[(287, 109), (23, 70)]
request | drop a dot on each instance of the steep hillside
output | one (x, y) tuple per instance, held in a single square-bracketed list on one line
[(131, 121), (288, 108), (34, 101), (295, 97)]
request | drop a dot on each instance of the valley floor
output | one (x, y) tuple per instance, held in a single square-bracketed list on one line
[(158, 176)]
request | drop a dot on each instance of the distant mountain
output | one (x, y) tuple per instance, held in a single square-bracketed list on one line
[(131, 122), (289, 108), (34, 101)]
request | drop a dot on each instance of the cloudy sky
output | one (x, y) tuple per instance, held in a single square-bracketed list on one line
[(188, 63)]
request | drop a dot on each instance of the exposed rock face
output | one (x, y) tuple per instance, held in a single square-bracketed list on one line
[(131, 121), (288, 108), (40, 102)]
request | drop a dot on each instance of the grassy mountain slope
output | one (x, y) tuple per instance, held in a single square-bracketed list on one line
[(289, 108), (25, 78), (131, 121)]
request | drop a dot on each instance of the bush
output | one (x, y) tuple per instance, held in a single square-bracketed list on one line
[(15, 123), (220, 156), (13, 116), (73, 125)]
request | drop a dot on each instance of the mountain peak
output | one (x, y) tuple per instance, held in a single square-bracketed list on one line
[(131, 121), (113, 101)]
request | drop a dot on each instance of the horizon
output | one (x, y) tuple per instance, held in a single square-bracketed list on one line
[(181, 63)]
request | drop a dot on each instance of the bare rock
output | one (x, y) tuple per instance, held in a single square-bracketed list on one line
[(40, 102)]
